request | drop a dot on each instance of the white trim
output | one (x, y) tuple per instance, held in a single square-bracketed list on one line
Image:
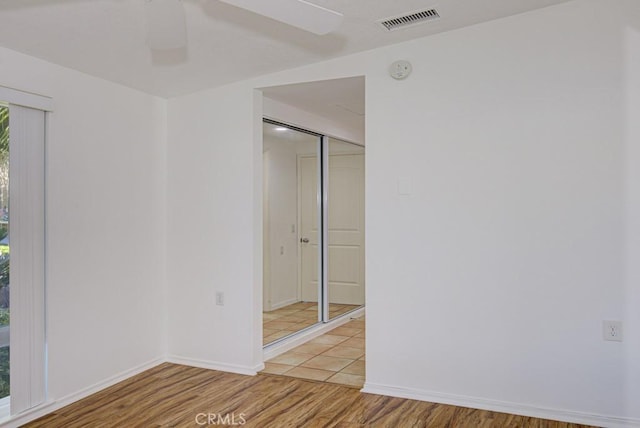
[(53, 405), (501, 406), (369, 388), (26, 99), (5, 407), (215, 365), (30, 415), (275, 349), (324, 212), (321, 219), (285, 303)]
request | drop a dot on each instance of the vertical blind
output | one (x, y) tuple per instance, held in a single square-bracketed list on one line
[(27, 234)]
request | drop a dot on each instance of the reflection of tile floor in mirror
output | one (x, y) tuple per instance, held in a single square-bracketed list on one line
[(336, 357), (289, 319)]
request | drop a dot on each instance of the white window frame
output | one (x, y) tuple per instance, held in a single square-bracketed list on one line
[(26, 99)]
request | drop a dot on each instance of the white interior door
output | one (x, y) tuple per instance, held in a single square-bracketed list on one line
[(346, 228), (308, 199), (346, 278)]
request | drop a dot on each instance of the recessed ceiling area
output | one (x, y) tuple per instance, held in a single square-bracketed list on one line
[(341, 101), (107, 38)]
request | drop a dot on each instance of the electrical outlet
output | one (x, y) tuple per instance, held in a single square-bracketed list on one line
[(219, 298), (612, 330)]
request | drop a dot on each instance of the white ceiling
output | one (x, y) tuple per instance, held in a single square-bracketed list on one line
[(106, 38)]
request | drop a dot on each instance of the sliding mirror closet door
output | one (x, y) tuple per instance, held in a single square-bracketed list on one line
[(290, 241), (345, 227)]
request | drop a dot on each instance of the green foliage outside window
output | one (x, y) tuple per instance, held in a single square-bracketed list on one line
[(4, 131), (4, 248), (4, 150)]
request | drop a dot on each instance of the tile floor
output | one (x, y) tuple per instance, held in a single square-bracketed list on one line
[(337, 357), (298, 316)]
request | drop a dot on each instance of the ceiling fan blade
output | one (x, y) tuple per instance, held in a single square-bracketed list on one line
[(166, 24), (298, 13)]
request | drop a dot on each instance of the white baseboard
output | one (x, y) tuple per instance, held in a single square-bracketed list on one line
[(214, 365), (50, 406), (369, 387), (501, 406), (279, 305)]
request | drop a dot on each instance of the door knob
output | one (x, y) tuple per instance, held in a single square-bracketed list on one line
[(304, 240)]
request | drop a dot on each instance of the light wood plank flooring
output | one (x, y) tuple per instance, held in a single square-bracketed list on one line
[(173, 396)]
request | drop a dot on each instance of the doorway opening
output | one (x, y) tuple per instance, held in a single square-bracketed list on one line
[(313, 243)]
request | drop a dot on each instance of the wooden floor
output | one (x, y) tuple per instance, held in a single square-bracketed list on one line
[(178, 396)]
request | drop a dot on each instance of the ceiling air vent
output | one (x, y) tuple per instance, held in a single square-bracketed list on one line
[(404, 21)]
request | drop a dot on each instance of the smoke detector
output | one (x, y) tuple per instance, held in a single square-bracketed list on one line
[(400, 69)]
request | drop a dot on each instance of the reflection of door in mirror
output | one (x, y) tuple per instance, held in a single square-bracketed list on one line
[(308, 183), (285, 309), (345, 198)]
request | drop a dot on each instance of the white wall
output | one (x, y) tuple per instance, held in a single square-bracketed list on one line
[(214, 219), (281, 204), (487, 286), (512, 245), (105, 224)]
